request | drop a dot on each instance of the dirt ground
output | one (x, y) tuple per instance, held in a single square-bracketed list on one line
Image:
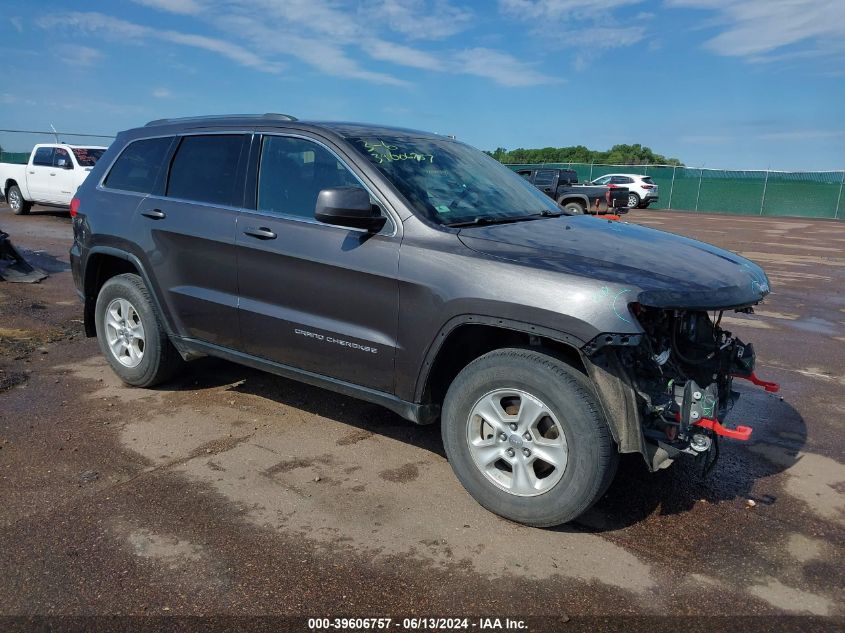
[(229, 491)]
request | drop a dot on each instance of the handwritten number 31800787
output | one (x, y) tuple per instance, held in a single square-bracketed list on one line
[(381, 152)]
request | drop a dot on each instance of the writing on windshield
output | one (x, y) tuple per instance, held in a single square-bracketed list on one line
[(380, 152), (449, 182)]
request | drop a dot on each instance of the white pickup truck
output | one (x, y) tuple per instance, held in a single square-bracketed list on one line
[(51, 177)]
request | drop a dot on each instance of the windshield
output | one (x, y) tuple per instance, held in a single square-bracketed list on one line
[(450, 183), (87, 156)]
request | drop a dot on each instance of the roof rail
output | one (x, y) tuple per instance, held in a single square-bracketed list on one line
[(269, 116)]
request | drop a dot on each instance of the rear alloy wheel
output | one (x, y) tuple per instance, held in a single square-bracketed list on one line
[(526, 437), (633, 200), (131, 335), (16, 201)]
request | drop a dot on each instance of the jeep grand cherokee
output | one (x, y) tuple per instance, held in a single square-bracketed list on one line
[(411, 270)]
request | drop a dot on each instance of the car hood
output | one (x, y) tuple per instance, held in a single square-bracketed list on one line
[(667, 270)]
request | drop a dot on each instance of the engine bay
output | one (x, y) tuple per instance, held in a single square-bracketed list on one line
[(682, 370)]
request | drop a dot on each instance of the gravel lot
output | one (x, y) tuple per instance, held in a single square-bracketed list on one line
[(234, 492)]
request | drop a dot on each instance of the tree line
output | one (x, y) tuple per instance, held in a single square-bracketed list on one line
[(617, 155)]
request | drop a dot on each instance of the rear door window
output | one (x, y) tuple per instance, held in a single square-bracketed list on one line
[(544, 177), (43, 157), (137, 167), (205, 169), (61, 158)]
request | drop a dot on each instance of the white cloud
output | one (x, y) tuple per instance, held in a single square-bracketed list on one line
[(589, 26), (335, 37), (79, 55), (123, 31), (162, 93), (802, 135), (174, 6), (561, 9), (422, 20), (17, 23), (754, 28), (500, 67), (402, 55)]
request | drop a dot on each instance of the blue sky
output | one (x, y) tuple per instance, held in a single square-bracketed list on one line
[(718, 83)]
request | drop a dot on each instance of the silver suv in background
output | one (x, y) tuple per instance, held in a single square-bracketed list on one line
[(641, 189)]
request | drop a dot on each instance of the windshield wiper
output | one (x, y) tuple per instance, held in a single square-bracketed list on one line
[(484, 220)]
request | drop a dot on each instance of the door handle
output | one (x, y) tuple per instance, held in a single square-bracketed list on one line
[(52, 173), (32, 171), (261, 233), (154, 214)]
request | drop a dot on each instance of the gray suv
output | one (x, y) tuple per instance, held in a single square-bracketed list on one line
[(413, 271)]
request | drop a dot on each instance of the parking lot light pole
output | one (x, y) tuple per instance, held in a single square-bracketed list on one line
[(698, 193), (765, 186), (672, 186)]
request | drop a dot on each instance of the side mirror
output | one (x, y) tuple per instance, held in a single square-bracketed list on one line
[(348, 206)]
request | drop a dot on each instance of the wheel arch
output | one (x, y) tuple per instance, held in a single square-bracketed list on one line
[(467, 337), (101, 264), (573, 197)]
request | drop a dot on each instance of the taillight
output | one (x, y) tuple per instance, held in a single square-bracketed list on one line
[(610, 186), (74, 207), (648, 186)]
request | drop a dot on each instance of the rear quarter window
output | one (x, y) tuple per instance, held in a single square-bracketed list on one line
[(648, 180), (137, 167)]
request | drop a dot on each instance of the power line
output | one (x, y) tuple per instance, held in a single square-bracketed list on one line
[(52, 133)]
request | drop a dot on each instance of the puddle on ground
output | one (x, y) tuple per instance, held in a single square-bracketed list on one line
[(816, 325)]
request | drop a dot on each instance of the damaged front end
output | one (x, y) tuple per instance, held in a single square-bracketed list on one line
[(667, 391)]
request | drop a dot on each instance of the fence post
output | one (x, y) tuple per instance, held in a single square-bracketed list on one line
[(698, 193), (765, 185), (591, 172), (839, 199), (672, 186)]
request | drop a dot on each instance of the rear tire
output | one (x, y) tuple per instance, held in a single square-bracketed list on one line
[(573, 207), (17, 204), (561, 455), (131, 335), (633, 200), (643, 205)]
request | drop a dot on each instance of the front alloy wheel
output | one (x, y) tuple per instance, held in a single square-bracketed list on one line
[(516, 442), (526, 437)]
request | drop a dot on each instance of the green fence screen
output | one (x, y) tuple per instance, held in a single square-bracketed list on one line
[(18, 158), (743, 192)]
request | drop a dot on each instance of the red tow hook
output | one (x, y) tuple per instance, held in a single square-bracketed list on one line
[(771, 387), (739, 433), (742, 433)]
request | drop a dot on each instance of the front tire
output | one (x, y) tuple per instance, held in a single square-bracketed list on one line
[(526, 437), (16, 201), (633, 200), (131, 335)]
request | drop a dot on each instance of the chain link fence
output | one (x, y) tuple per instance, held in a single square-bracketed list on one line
[(743, 192)]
